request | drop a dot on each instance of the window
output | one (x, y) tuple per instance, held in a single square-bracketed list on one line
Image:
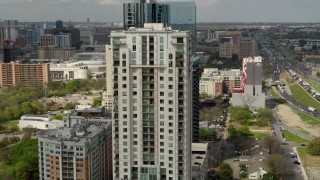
[(170, 94), (124, 71), (134, 48), (161, 93), (170, 78), (124, 56), (161, 40), (124, 63), (133, 39), (124, 85), (161, 78), (134, 85), (161, 85), (170, 86), (170, 71), (124, 78), (161, 101), (134, 77), (161, 117), (170, 56), (124, 109), (124, 101), (161, 108)]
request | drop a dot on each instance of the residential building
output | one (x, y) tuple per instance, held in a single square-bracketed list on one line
[(250, 94), (38, 122), (108, 97), (196, 74), (247, 48), (82, 149), (215, 82), (200, 161), (18, 74), (152, 107)]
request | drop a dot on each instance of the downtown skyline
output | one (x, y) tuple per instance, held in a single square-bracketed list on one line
[(207, 10)]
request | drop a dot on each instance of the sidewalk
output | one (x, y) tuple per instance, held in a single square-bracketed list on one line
[(305, 177)]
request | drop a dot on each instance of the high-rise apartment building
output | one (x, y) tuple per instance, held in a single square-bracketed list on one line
[(152, 108), (59, 24), (196, 75), (82, 149), (18, 74)]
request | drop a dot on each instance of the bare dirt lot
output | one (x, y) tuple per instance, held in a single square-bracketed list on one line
[(288, 116)]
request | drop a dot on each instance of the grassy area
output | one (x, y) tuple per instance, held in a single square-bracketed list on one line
[(260, 135), (10, 124), (308, 160), (302, 96), (306, 117), (277, 98), (293, 138)]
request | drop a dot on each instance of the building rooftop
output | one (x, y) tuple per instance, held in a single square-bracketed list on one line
[(81, 131), (199, 151), (213, 72)]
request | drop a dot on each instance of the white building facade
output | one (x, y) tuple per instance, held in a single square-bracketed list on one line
[(152, 107), (38, 122)]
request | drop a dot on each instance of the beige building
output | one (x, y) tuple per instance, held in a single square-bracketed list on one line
[(1, 43), (51, 52), (18, 74), (216, 82)]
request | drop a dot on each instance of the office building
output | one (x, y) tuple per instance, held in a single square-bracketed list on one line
[(82, 149), (233, 44), (182, 16), (196, 75), (136, 13), (250, 95), (226, 47), (62, 40), (59, 24), (1, 43), (47, 40), (216, 82), (18, 74), (177, 15), (10, 29), (10, 51), (152, 110), (49, 52), (247, 48), (33, 35)]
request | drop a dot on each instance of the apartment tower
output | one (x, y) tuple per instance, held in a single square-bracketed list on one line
[(152, 103)]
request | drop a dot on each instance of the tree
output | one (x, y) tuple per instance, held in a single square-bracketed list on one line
[(241, 115), (270, 176), (247, 101), (212, 134), (203, 133), (244, 131), (232, 132), (314, 147), (97, 102), (204, 95), (272, 144), (69, 105), (225, 172), (318, 74), (23, 160)]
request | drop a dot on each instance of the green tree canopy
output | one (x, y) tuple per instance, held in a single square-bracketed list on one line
[(314, 147), (225, 172), (270, 176)]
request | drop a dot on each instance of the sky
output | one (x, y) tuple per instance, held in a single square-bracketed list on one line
[(207, 10)]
